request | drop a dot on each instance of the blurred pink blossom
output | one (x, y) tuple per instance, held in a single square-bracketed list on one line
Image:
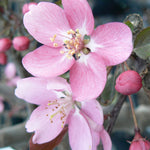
[(1, 104), (57, 108), (5, 44), (71, 42), (128, 82), (21, 43), (26, 7), (3, 58), (10, 74)]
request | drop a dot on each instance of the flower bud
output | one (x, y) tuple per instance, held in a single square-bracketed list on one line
[(5, 44), (128, 82), (139, 143), (3, 58), (26, 7), (21, 43)]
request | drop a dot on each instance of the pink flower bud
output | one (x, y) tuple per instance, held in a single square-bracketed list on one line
[(3, 58), (128, 82), (139, 143), (5, 44), (26, 7), (21, 43)]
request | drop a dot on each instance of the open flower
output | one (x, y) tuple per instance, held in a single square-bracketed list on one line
[(71, 42), (10, 74), (57, 108)]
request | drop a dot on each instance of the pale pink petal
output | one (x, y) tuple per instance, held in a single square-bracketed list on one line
[(44, 21), (112, 42), (95, 139), (79, 132), (47, 62), (34, 90), (10, 70), (1, 106), (93, 110), (13, 82), (59, 84), (106, 141), (79, 15), (87, 77), (46, 129)]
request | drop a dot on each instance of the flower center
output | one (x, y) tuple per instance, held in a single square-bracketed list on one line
[(60, 109), (74, 44)]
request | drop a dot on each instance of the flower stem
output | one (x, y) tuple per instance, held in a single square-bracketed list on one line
[(126, 65), (133, 113)]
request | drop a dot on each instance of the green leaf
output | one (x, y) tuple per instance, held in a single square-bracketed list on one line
[(142, 38), (142, 44), (143, 52), (130, 25)]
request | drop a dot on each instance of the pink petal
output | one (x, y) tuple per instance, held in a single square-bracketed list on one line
[(1, 106), (79, 15), (96, 114), (13, 82), (59, 84), (34, 90), (106, 141), (112, 42), (44, 21), (40, 122), (95, 139), (87, 78), (47, 62), (10, 70), (79, 132)]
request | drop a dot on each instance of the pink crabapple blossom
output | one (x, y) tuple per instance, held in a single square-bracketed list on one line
[(128, 82), (57, 108), (1, 104), (139, 143), (26, 7), (21, 43), (10, 75), (5, 44), (3, 58), (71, 43)]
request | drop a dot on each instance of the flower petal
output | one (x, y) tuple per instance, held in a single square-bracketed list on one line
[(106, 141), (96, 114), (10, 70), (112, 42), (44, 21), (79, 132), (47, 62), (87, 77), (34, 90), (79, 15), (59, 84), (45, 129)]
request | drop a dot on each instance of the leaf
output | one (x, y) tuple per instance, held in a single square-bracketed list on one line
[(130, 25), (142, 38), (50, 145), (143, 52), (142, 44)]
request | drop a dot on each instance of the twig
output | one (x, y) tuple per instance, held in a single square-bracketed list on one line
[(115, 112)]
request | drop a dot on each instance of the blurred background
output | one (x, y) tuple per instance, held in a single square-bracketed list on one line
[(14, 112)]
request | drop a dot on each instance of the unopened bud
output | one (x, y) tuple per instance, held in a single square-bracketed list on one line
[(128, 82), (139, 143), (21, 43), (5, 44), (3, 58)]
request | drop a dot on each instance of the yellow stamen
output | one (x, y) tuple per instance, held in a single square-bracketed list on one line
[(55, 44)]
